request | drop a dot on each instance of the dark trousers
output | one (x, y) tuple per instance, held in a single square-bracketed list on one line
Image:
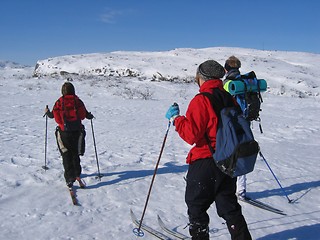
[(68, 147), (207, 184)]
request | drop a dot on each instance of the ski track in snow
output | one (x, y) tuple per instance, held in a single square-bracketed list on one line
[(35, 204)]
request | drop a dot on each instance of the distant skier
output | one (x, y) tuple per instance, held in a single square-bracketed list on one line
[(206, 183), (68, 111), (232, 66)]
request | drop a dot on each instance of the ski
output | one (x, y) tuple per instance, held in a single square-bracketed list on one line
[(172, 232), (73, 196), (148, 229), (261, 205)]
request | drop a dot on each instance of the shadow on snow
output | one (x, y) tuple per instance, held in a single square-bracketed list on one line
[(136, 174), (295, 188), (311, 232)]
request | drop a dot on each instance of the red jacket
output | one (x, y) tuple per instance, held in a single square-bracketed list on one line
[(66, 100), (200, 118)]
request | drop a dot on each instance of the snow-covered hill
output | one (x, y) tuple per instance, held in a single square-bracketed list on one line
[(9, 64), (288, 73), (129, 128), (11, 70)]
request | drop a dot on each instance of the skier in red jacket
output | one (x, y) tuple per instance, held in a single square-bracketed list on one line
[(205, 182), (68, 111)]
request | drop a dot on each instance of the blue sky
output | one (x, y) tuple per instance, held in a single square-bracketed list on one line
[(38, 29)]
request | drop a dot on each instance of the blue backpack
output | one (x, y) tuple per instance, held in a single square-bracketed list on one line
[(247, 91), (236, 150)]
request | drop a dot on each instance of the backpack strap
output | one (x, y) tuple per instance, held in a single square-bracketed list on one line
[(218, 99), (63, 112), (209, 144), (259, 92), (75, 106)]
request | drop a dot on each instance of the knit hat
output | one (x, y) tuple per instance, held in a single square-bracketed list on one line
[(67, 89), (211, 69)]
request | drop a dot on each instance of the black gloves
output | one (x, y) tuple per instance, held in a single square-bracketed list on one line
[(47, 112), (89, 115)]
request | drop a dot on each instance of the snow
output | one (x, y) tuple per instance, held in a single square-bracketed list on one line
[(129, 130)]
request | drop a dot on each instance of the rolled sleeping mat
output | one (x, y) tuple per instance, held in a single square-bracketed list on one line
[(235, 87)]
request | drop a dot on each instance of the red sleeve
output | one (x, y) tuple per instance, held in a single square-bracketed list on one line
[(82, 111), (193, 126), (57, 112)]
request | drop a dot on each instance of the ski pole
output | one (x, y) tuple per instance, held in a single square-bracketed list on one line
[(137, 231), (95, 150), (261, 155), (45, 142)]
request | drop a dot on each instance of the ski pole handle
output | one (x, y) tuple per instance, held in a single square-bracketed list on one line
[(47, 107)]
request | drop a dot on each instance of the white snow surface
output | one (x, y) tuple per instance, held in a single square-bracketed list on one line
[(129, 128)]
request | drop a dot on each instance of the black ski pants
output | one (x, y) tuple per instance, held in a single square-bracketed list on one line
[(68, 147), (207, 184)]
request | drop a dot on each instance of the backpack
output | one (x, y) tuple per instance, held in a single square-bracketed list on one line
[(69, 114), (247, 91), (236, 150)]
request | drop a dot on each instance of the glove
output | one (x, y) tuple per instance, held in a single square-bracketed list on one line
[(173, 112), (47, 112), (89, 115)]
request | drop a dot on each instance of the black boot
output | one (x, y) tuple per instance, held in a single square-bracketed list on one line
[(238, 229), (199, 231)]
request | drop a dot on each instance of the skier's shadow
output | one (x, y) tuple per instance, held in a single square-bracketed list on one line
[(136, 174), (295, 188), (311, 232)]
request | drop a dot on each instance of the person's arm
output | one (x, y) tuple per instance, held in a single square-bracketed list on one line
[(48, 112), (193, 125), (83, 112)]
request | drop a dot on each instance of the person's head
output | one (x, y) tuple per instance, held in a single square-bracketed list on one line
[(232, 63), (208, 70), (67, 89)]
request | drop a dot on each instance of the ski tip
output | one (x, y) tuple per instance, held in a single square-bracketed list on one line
[(160, 220), (132, 214), (137, 231)]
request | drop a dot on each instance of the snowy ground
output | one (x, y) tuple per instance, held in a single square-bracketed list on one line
[(129, 131)]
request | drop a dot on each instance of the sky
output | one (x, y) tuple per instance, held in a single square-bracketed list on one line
[(33, 30)]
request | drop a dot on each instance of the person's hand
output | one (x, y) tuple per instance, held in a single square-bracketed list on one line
[(173, 112), (46, 110), (89, 116)]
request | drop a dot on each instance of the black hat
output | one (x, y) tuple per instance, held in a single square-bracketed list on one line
[(211, 69)]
